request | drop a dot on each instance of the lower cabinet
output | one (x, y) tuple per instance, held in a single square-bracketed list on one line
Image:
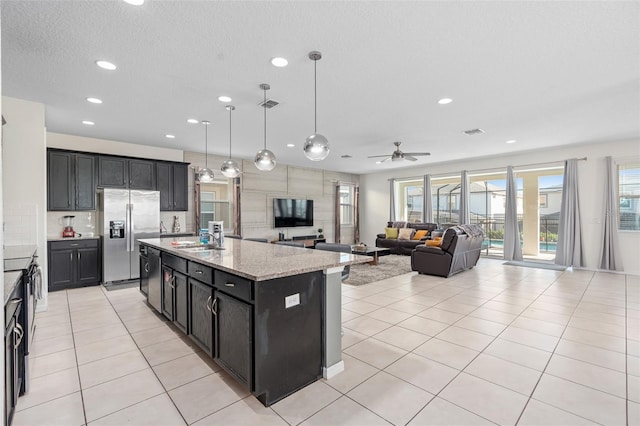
[(175, 297), (13, 367), (73, 263), (201, 316), (234, 342)]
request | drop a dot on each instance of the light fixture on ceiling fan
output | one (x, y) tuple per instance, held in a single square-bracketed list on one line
[(230, 167), (398, 155), (316, 147), (265, 160), (206, 174)]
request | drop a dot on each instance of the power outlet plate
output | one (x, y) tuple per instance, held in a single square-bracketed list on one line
[(292, 300)]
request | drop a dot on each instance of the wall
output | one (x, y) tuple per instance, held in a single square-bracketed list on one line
[(374, 190), (24, 177), (258, 189)]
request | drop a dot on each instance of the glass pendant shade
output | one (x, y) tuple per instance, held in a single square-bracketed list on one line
[(230, 168), (316, 147), (265, 160), (205, 175)]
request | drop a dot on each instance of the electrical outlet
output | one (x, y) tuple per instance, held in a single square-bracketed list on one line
[(292, 300)]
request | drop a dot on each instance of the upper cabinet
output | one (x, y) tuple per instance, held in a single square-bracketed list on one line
[(132, 173), (74, 176), (172, 184), (71, 181)]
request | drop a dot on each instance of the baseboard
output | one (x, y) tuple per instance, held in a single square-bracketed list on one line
[(329, 372)]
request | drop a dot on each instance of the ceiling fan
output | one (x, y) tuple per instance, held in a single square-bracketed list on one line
[(398, 155)]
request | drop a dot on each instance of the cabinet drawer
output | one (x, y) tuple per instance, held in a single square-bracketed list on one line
[(174, 262), (233, 285), (74, 244), (200, 272)]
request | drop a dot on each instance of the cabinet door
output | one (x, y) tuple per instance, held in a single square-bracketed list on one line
[(165, 185), (200, 316), (61, 267), (85, 183), (88, 265), (60, 189), (142, 174), (167, 292), (9, 371), (234, 337), (180, 302), (112, 172), (180, 193)]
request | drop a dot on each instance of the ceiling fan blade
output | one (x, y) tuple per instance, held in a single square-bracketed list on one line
[(410, 158), (377, 156), (386, 159), (417, 153)]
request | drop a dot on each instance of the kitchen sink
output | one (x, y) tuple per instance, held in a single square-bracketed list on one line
[(199, 249)]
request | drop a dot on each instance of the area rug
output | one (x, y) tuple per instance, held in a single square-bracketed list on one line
[(387, 267), (538, 265)]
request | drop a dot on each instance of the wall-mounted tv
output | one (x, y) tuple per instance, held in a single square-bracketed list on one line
[(289, 212)]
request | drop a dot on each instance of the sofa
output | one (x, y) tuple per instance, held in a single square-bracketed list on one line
[(405, 247), (459, 251)]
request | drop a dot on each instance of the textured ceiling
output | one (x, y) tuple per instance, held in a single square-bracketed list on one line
[(543, 73)]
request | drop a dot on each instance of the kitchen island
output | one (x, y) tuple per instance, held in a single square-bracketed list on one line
[(269, 314)]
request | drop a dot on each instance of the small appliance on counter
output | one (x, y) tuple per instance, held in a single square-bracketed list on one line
[(68, 231)]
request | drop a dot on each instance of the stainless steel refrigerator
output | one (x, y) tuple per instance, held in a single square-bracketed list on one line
[(124, 217)]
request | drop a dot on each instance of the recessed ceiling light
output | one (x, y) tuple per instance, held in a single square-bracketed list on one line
[(279, 62), (94, 100), (511, 141), (378, 162), (445, 101), (192, 121), (290, 145), (224, 99), (106, 65), (88, 123), (170, 136), (135, 2)]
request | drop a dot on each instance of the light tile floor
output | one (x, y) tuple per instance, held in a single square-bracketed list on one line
[(494, 345)]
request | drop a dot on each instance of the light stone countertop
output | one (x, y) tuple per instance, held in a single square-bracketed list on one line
[(11, 279), (259, 261), (17, 252), (72, 238)]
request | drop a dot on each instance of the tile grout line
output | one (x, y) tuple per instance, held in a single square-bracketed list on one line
[(75, 352)]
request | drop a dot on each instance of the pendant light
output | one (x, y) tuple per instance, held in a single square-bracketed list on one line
[(316, 147), (206, 174), (230, 167), (265, 160)]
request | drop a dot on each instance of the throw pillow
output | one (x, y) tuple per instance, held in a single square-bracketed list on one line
[(391, 233), (405, 233), (437, 242), (420, 235)]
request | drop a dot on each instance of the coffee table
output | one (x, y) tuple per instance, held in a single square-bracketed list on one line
[(372, 251)]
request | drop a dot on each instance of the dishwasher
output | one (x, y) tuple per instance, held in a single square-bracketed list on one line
[(150, 276)]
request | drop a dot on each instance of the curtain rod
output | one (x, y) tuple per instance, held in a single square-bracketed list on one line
[(482, 170)]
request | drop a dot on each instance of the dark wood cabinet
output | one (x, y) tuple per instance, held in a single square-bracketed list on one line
[(200, 315), (73, 263), (172, 181), (234, 336), (113, 172), (71, 181), (142, 174), (13, 353), (175, 291)]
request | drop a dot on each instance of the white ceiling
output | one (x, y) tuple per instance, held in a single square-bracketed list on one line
[(543, 73)]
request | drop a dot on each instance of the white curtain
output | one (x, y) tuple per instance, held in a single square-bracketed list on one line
[(464, 198), (392, 200), (512, 249), (610, 244), (569, 248), (427, 204)]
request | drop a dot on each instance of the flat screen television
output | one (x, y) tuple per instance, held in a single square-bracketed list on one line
[(288, 212)]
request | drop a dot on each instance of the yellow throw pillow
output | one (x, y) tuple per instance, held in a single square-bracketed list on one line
[(420, 235), (405, 233), (391, 233), (436, 242)]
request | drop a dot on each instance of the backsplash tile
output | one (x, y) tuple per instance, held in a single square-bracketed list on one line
[(83, 223), (20, 224)]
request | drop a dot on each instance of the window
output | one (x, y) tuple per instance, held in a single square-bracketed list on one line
[(543, 201), (346, 205), (409, 198), (629, 196)]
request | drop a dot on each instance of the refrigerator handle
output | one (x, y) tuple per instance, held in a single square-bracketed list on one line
[(128, 226), (132, 237)]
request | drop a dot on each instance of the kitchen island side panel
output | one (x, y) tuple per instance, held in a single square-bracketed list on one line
[(288, 340)]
